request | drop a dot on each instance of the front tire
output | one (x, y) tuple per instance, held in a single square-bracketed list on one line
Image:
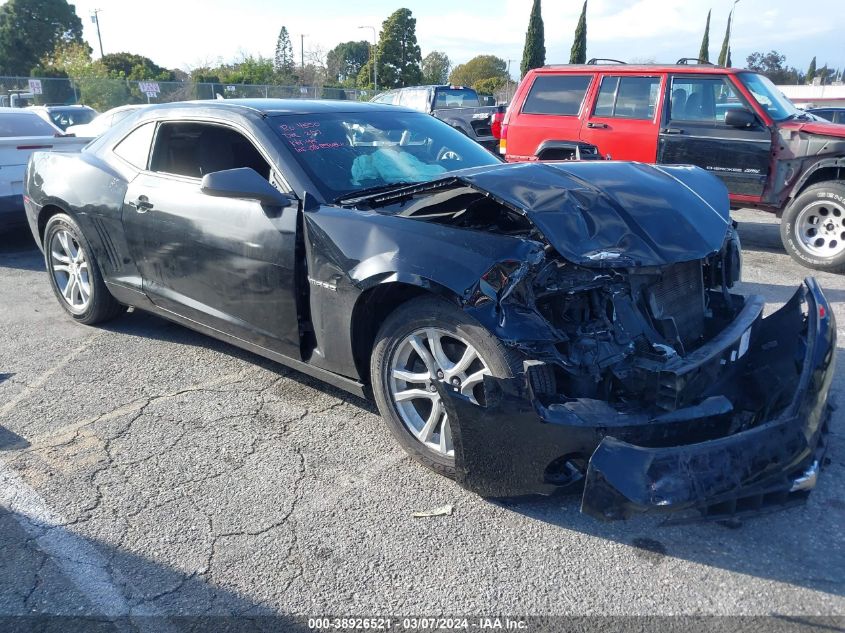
[(74, 273), (812, 228), (424, 341)]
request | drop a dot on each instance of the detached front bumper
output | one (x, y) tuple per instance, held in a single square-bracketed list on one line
[(707, 459)]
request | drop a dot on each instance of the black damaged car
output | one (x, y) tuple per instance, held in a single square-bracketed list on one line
[(524, 328)]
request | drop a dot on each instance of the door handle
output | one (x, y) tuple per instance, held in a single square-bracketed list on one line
[(672, 130), (142, 204), (602, 126)]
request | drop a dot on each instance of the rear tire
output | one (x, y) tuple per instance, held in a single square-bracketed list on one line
[(74, 273), (812, 228), (447, 334)]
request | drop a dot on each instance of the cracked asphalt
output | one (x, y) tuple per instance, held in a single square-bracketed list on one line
[(147, 470)]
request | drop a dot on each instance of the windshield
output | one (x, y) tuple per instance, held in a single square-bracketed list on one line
[(348, 152), (25, 124), (455, 98), (768, 96)]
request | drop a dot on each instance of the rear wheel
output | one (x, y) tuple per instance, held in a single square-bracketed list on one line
[(423, 342), (74, 274), (813, 227)]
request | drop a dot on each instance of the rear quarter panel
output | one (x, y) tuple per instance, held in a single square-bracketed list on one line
[(90, 191)]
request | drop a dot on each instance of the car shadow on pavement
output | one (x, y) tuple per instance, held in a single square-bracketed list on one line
[(10, 441), (760, 236), (146, 325), (58, 580), (19, 250)]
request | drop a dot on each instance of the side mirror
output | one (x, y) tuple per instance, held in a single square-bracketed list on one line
[(740, 117), (245, 183)]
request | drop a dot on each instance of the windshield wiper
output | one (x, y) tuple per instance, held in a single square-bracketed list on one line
[(370, 191)]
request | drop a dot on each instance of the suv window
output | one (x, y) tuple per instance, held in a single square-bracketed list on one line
[(196, 149), (627, 97), (557, 94), (704, 99), (135, 147)]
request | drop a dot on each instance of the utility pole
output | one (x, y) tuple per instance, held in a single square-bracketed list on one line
[(375, 56), (302, 51), (95, 18), (508, 90)]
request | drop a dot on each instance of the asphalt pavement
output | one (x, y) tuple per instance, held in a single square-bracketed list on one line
[(147, 470)]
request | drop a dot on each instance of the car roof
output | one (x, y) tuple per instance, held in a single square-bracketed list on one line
[(60, 106), (704, 69), (278, 106), (9, 110)]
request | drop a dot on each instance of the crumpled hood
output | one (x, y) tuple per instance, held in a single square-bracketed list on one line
[(821, 128), (608, 213)]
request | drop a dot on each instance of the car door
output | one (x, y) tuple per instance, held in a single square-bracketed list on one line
[(227, 263), (694, 133), (623, 123)]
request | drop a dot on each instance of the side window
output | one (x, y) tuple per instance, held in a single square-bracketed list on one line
[(705, 99), (413, 98), (387, 97), (557, 94), (627, 97), (196, 149), (135, 148)]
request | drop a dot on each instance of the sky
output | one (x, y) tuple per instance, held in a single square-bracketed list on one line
[(181, 35)]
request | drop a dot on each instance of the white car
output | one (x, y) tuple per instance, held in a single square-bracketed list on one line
[(103, 121), (23, 132)]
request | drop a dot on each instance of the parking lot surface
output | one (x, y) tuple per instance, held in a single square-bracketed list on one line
[(147, 469)]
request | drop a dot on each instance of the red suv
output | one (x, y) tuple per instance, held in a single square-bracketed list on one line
[(732, 122)]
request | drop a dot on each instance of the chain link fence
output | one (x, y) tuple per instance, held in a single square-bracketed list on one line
[(102, 94)]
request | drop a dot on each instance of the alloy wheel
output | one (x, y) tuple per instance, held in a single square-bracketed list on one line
[(821, 228), (421, 359), (70, 270)]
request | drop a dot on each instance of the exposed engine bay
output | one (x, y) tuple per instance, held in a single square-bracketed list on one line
[(646, 378)]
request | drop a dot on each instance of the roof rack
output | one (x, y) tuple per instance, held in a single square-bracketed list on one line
[(596, 60), (686, 60)]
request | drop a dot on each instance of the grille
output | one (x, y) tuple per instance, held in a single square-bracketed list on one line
[(679, 296)]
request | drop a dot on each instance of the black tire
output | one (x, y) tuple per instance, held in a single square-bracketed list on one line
[(101, 305), (829, 198), (417, 314)]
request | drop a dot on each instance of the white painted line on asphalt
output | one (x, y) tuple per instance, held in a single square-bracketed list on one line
[(77, 558), (43, 378)]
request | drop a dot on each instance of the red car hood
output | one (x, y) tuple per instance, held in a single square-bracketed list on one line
[(815, 127)]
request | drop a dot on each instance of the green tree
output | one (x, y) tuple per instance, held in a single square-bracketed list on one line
[(435, 68), (490, 85), (724, 54), (92, 82), (31, 29), (283, 62), (135, 67), (344, 62), (578, 54), (773, 65), (534, 53), (478, 69), (811, 71), (704, 51), (399, 56)]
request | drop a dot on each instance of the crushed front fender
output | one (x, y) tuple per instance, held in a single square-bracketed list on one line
[(699, 460)]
